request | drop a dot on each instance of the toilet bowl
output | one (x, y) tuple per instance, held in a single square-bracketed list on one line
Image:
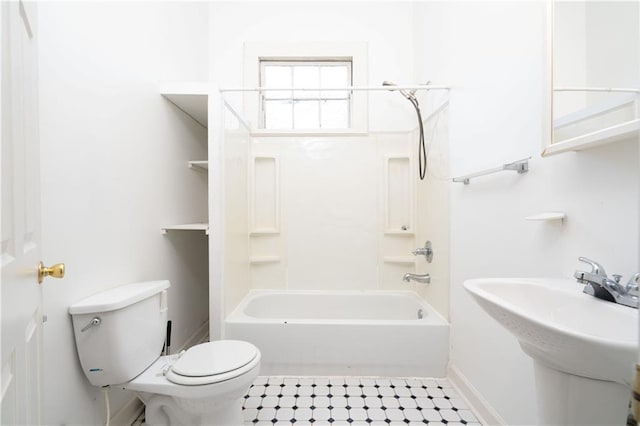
[(203, 386), (119, 336)]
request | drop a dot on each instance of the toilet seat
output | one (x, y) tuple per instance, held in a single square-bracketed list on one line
[(213, 362)]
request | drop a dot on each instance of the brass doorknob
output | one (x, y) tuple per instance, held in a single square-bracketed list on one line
[(55, 271)]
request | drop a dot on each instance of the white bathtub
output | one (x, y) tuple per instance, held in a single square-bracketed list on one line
[(342, 333)]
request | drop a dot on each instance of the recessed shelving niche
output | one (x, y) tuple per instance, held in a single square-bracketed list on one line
[(264, 202), (398, 189)]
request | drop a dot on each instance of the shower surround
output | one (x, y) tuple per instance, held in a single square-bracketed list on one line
[(326, 224)]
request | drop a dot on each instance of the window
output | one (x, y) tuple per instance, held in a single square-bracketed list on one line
[(327, 56), (305, 109)]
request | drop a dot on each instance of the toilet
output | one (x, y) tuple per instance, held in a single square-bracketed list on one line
[(119, 336)]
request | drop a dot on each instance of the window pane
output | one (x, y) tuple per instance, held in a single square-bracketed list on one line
[(306, 109), (277, 76), (306, 76), (335, 114), (278, 115), (306, 115), (335, 76)]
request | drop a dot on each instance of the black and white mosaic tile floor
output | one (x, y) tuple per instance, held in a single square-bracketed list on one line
[(354, 401)]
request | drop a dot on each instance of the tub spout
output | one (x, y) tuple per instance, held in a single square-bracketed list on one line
[(424, 279)]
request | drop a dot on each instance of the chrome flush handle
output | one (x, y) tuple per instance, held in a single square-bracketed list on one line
[(95, 321)]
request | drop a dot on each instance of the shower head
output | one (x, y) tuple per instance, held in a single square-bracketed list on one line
[(409, 95)]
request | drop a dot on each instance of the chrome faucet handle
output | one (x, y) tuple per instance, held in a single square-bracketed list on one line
[(633, 286), (426, 251), (596, 268)]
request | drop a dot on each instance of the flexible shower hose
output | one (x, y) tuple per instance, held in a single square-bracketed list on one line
[(422, 150)]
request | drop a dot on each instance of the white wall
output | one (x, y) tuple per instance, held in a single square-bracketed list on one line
[(492, 53), (114, 171)]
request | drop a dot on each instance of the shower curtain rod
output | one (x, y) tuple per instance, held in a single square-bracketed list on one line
[(350, 88)]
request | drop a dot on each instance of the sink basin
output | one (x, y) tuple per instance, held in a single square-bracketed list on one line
[(563, 328)]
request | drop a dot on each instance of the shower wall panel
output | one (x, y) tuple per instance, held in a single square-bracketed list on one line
[(328, 197), (432, 221), (236, 205), (348, 213)]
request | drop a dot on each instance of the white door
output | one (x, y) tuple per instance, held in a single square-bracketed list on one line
[(21, 295)]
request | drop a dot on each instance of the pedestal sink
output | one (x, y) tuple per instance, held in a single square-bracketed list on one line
[(584, 349)]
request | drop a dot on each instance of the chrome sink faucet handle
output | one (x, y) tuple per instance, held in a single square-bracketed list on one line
[(599, 276), (633, 286), (596, 268)]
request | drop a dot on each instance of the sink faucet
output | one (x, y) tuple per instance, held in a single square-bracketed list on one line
[(599, 285), (424, 279)]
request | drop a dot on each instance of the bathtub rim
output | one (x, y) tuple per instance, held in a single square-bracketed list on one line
[(238, 316)]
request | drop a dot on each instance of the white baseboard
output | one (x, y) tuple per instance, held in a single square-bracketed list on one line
[(484, 411), (131, 409)]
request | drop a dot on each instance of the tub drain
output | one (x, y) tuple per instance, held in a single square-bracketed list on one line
[(420, 314)]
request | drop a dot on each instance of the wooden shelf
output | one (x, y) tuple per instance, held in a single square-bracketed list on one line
[(199, 165), (187, 227), (190, 97)]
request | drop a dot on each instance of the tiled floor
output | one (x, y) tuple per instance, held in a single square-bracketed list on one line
[(354, 401)]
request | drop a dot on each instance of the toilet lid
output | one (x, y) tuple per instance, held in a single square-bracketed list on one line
[(214, 358)]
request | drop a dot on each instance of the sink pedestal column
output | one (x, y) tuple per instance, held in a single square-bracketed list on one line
[(565, 399)]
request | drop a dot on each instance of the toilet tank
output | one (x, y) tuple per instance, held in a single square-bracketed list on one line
[(124, 330)]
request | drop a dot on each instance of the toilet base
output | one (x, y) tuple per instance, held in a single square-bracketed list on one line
[(169, 404), (162, 410)]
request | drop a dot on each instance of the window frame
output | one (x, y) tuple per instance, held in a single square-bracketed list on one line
[(302, 62), (254, 52)]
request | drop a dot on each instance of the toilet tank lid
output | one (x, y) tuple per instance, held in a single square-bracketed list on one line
[(118, 297)]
